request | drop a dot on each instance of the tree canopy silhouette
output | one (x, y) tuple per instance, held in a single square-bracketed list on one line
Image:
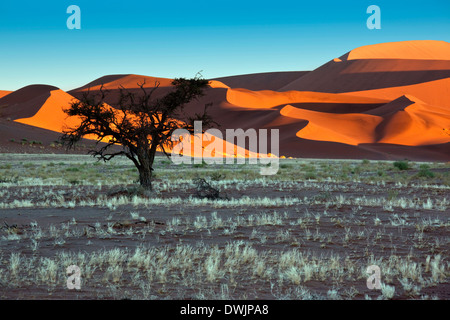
[(139, 123)]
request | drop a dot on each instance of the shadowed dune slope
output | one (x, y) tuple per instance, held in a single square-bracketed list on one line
[(25, 102), (51, 115), (267, 99), (129, 81), (404, 121), (358, 75), (435, 92), (379, 66), (262, 81)]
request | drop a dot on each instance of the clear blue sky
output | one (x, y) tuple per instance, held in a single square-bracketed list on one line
[(179, 38)]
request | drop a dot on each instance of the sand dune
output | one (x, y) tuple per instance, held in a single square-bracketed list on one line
[(25, 102), (267, 99), (403, 121), (379, 66), (424, 50), (262, 81), (381, 101), (217, 84), (435, 93), (417, 124), (344, 128), (129, 81), (358, 75), (4, 93), (51, 115)]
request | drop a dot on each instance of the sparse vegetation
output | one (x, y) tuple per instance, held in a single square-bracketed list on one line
[(425, 172), (278, 237), (401, 165)]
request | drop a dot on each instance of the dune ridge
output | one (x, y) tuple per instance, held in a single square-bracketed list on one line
[(416, 49)]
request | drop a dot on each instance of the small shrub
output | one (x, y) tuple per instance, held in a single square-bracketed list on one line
[(381, 173), (401, 165), (425, 172), (205, 190)]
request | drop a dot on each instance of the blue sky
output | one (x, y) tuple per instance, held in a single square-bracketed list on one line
[(180, 38)]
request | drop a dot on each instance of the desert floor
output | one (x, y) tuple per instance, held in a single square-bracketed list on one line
[(308, 232)]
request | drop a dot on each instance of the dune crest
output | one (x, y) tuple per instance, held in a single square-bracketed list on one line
[(217, 84), (129, 81), (417, 49)]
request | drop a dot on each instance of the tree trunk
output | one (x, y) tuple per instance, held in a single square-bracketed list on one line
[(146, 156), (145, 177)]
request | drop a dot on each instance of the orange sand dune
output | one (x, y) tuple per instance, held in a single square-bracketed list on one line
[(262, 81), (267, 99), (435, 93), (51, 115), (417, 62), (344, 128), (4, 93), (359, 75), (217, 84), (418, 124), (112, 83), (24, 102), (418, 49), (384, 101), (208, 143), (129, 81), (405, 121)]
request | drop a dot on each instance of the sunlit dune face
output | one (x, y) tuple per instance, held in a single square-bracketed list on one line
[(419, 124), (436, 93), (217, 84), (204, 146), (350, 129), (4, 93), (51, 115), (403, 121), (267, 99), (421, 50)]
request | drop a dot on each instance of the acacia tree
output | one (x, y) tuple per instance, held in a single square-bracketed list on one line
[(139, 123)]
